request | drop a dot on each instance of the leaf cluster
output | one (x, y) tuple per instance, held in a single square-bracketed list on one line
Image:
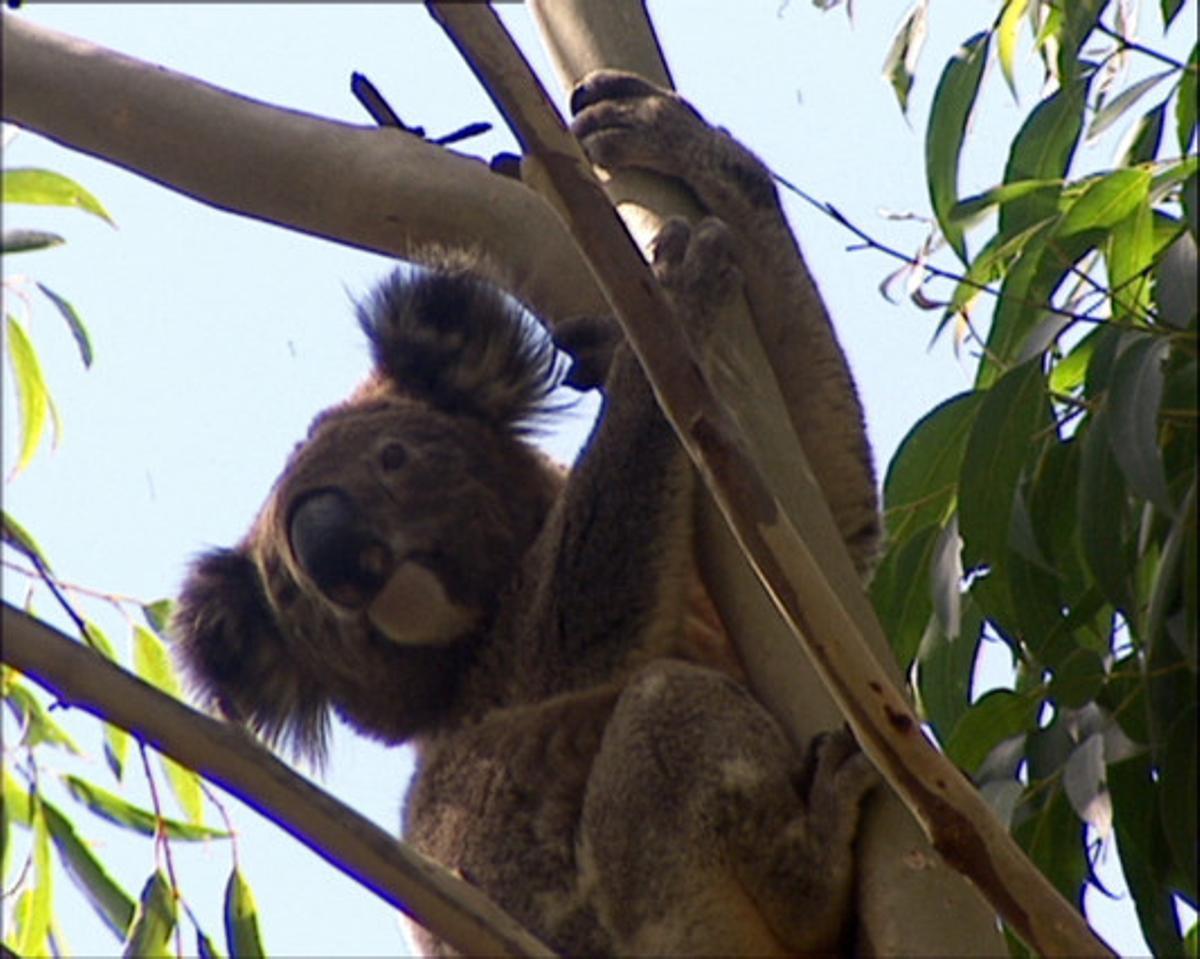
[(149, 924), (1053, 506)]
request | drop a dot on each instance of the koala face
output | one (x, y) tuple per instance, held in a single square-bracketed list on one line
[(384, 548), (406, 520)]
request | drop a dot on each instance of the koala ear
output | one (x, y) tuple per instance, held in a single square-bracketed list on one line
[(451, 338), (237, 658)]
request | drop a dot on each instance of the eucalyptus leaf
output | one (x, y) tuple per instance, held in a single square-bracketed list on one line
[(47, 188), (241, 919), (1133, 401), (949, 114), (154, 920)]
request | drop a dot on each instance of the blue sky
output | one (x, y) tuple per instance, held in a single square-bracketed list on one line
[(217, 338)]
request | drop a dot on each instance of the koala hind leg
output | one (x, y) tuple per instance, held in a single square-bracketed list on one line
[(705, 833)]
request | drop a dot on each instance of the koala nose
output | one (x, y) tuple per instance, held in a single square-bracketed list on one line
[(333, 545)]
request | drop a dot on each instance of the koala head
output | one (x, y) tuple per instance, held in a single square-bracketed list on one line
[(378, 562)]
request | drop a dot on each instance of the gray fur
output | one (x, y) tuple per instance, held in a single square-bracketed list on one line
[(587, 758)]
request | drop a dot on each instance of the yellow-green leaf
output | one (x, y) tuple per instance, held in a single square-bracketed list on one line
[(33, 398), (153, 920), (1007, 29), (33, 908), (900, 65), (19, 538), (241, 919), (116, 810), (110, 901), (47, 188), (152, 662)]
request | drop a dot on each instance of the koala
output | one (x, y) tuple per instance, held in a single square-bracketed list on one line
[(423, 571)]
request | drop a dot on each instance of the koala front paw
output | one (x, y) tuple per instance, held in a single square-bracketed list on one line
[(622, 120)]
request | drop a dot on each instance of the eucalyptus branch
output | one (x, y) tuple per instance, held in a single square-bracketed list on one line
[(226, 755), (1134, 46), (779, 544)]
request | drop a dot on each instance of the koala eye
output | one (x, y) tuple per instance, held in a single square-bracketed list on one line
[(393, 456)]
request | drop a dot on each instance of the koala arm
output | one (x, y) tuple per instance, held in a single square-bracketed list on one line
[(609, 569), (624, 122)]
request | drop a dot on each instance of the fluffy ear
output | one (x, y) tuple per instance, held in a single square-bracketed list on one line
[(237, 658), (451, 338)]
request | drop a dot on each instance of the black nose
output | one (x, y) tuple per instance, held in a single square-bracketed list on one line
[(334, 546)]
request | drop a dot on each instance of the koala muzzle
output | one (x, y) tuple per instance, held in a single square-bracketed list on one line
[(334, 546)]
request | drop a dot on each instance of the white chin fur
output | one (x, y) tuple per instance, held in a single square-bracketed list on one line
[(413, 609)]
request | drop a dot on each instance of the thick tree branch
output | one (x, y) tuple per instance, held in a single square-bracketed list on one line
[(226, 755), (783, 547), (378, 189)]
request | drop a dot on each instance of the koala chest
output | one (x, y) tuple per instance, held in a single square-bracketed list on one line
[(500, 802)]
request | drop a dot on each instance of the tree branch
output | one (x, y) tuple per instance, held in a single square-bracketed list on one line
[(226, 755), (783, 548), (394, 193)]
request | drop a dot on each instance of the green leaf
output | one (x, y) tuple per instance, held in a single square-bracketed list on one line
[(1105, 201), (1079, 19), (1115, 108), (117, 810), (34, 907), (33, 398), (153, 921), (1185, 102), (1146, 137), (47, 188), (1013, 415), (901, 63), (922, 480), (1103, 514), (158, 615), (1133, 401), (1144, 851), (1067, 375), (900, 594), (1129, 255), (111, 902), (1169, 9), (29, 241), (95, 638), (16, 536), (185, 784), (152, 662), (1052, 836), (74, 323), (947, 129), (1177, 797), (17, 799), (1007, 28), (116, 749), (993, 262), (241, 919), (944, 672), (970, 209), (996, 716), (1042, 150), (35, 722), (1078, 679), (1175, 283)]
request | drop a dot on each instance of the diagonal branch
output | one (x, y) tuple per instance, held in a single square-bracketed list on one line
[(960, 824), (226, 755)]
